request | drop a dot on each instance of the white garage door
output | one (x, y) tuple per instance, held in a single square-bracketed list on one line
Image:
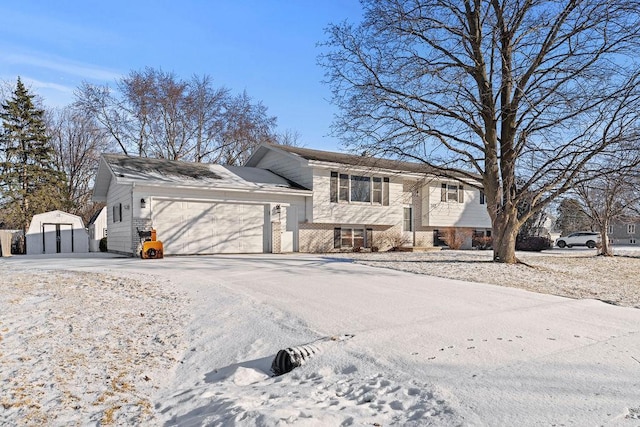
[(208, 228)]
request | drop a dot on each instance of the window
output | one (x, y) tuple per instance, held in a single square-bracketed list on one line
[(452, 193), (358, 238), (117, 212), (359, 189), (408, 220), (348, 238), (344, 187), (377, 190), (631, 229), (610, 229), (482, 198)]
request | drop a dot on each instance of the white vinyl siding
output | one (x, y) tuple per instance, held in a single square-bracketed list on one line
[(119, 239), (287, 167), (326, 212), (439, 213)]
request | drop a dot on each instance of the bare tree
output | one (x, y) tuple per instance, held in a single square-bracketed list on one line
[(77, 141), (155, 113), (207, 105), (609, 198), (289, 137), (529, 88), (104, 107), (245, 126)]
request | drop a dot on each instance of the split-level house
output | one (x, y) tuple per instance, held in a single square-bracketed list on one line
[(625, 232), (286, 199)]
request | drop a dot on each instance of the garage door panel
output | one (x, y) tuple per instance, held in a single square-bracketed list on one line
[(205, 228)]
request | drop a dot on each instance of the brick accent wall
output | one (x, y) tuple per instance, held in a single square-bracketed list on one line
[(315, 238), (142, 224), (276, 234)]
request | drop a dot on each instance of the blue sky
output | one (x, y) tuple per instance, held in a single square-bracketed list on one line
[(267, 48)]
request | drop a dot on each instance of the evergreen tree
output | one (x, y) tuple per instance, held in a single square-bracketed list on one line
[(572, 217), (29, 182)]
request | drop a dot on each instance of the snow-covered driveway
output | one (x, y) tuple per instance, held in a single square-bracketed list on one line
[(426, 350)]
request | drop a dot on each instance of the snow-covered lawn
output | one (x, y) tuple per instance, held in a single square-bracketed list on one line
[(190, 340)]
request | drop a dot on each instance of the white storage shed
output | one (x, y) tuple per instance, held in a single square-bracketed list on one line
[(57, 232)]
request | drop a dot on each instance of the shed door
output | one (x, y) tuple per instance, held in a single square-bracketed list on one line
[(57, 238), (208, 228)]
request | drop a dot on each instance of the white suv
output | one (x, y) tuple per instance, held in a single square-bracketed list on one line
[(580, 238)]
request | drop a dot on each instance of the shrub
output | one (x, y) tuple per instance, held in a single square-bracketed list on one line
[(103, 244), (454, 237), (533, 243), (394, 239), (482, 242)]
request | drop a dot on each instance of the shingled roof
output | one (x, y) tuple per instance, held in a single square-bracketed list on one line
[(186, 174), (159, 169), (368, 161)]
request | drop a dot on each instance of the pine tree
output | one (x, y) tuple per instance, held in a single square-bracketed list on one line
[(29, 182)]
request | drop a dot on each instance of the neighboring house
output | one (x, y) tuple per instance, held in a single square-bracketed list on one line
[(624, 233), (57, 232), (97, 229), (366, 202), (284, 199)]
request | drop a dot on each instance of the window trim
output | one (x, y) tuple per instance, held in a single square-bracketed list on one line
[(356, 234)]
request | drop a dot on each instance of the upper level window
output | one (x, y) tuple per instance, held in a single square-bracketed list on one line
[(610, 229), (482, 198), (452, 193), (377, 190), (631, 229), (358, 188)]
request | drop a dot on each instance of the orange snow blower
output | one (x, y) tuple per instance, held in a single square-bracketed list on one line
[(151, 248)]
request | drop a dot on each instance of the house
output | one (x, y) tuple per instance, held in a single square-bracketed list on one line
[(285, 199), (624, 232), (97, 229), (57, 232), (360, 201)]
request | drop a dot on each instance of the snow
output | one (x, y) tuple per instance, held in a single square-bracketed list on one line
[(190, 341)]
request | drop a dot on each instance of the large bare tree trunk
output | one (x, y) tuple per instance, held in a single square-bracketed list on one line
[(604, 248), (505, 229)]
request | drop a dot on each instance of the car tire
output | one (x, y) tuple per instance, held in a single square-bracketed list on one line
[(561, 244), (591, 244)]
